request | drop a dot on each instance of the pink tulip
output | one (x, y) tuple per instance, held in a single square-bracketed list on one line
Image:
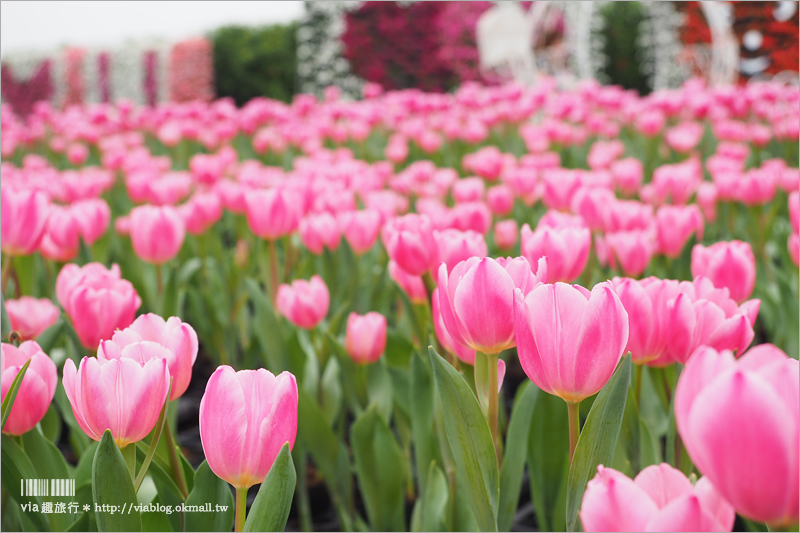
[(559, 220), (727, 264), (445, 339), (123, 395), (320, 231), (506, 233), (475, 216), (559, 187), (177, 337), (97, 300), (304, 303), (31, 316), (631, 250), (93, 216), (455, 246), (739, 423), (794, 211), (500, 199), (272, 213), (660, 498), (675, 224), (200, 212), (591, 203), (413, 286), (569, 340), (37, 389), (77, 154), (61, 241), (707, 200), (684, 137), (794, 248), (625, 215), (409, 241), (24, 220), (360, 228), (603, 153), (627, 174), (365, 340), (245, 419), (566, 250), (468, 190), (157, 233), (476, 300)]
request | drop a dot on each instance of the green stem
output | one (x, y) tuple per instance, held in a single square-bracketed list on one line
[(494, 403), (241, 508), (637, 383), (573, 412), (175, 465), (304, 505), (6, 272), (273, 271), (129, 454)]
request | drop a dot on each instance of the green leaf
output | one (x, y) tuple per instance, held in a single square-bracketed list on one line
[(598, 438), (273, 502), (268, 333), (8, 401), (25, 266), (380, 468), (470, 440), (16, 468), (398, 349), (548, 461), (51, 424), (5, 325), (51, 335), (515, 452), (49, 464), (379, 389), (112, 488), (209, 489), (429, 511), (426, 448), (331, 400)]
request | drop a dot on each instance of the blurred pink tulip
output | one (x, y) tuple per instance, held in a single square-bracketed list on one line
[(320, 231), (365, 340), (660, 498), (413, 286), (360, 228), (97, 300), (272, 213), (245, 419), (739, 423), (569, 340), (627, 174), (794, 248), (177, 337), (455, 246), (409, 241), (304, 303), (200, 212), (603, 153), (124, 395), (794, 211), (468, 190), (707, 200), (157, 233), (684, 137), (24, 220), (506, 233), (566, 250), (675, 225), (476, 300), (77, 154), (500, 199), (37, 389), (591, 203), (631, 250), (560, 185), (727, 264), (31, 316)]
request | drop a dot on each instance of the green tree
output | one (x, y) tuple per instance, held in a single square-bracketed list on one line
[(621, 48)]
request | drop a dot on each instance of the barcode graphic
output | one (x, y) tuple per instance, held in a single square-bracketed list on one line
[(48, 487)]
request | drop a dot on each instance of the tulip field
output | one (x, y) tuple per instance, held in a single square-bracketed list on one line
[(505, 308)]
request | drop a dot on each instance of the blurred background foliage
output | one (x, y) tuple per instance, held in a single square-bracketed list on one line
[(620, 45)]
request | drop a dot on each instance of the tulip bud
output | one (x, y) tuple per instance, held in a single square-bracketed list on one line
[(157, 233), (24, 220), (366, 337), (31, 316), (304, 303), (37, 389)]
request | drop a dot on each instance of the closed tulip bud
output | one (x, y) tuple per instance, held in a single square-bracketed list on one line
[(675, 224), (37, 389), (506, 233), (627, 174), (24, 220), (566, 250), (477, 298), (245, 419), (569, 340), (304, 303), (591, 203), (455, 246), (123, 395), (93, 216), (445, 339), (200, 212), (474, 216), (410, 243), (61, 241), (157, 233), (468, 190), (97, 300), (177, 337), (500, 199), (727, 264), (660, 498), (77, 154), (560, 185), (365, 340), (31, 316), (320, 231), (739, 423), (707, 200), (360, 228), (631, 250), (273, 213), (413, 286)]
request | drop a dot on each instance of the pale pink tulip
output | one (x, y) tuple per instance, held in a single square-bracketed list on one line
[(360, 228), (454, 246), (727, 264), (413, 286), (566, 250), (157, 233), (506, 233), (304, 303), (318, 232), (31, 316), (273, 213), (675, 225), (24, 220), (409, 241), (365, 339), (37, 389)]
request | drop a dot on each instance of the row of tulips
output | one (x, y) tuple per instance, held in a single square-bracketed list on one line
[(398, 271)]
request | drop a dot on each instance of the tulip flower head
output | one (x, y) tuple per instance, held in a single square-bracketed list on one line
[(365, 340), (157, 233), (727, 264), (37, 389), (304, 303), (31, 316)]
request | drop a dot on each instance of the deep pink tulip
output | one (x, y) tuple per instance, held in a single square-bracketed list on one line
[(37, 389), (31, 316), (273, 213), (500, 199), (157, 233), (506, 233), (659, 498), (477, 298), (445, 339), (625, 215), (123, 395), (360, 228), (631, 250), (413, 286), (559, 187), (475, 216), (320, 231), (468, 190), (727, 264), (24, 220), (409, 241), (569, 340), (566, 250), (97, 300), (365, 340), (177, 337), (245, 419), (304, 303), (591, 203), (627, 174), (455, 246), (201, 211), (757, 186), (675, 224), (739, 423)]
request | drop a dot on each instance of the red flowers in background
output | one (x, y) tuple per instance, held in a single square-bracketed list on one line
[(191, 71), (23, 94)]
